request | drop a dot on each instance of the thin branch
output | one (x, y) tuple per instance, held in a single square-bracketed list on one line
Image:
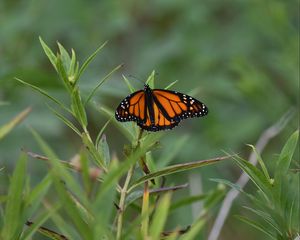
[(263, 140)]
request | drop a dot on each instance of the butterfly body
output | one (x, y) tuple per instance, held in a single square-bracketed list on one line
[(158, 109)]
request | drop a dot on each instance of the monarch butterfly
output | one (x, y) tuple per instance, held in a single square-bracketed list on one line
[(158, 109)]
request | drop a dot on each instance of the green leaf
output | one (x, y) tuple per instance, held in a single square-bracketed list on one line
[(51, 56), (130, 87), (177, 168), (5, 129), (188, 201), (104, 150), (78, 108), (286, 155), (87, 62), (63, 73), (45, 94), (103, 80), (72, 68), (98, 138), (256, 176), (65, 57), (171, 84), (194, 230), (58, 172), (261, 163), (123, 127), (65, 120), (160, 216), (33, 201), (150, 80), (36, 226), (257, 226), (92, 149), (14, 216)]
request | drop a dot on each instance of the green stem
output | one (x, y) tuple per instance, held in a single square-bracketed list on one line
[(145, 211), (122, 202), (124, 191)]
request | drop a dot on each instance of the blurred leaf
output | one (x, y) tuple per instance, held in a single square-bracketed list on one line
[(45, 94), (51, 56), (103, 80), (45, 231), (65, 120), (65, 58), (261, 163), (256, 225), (187, 201), (87, 62), (257, 176), (160, 216), (14, 216), (5, 129), (286, 155), (194, 230), (122, 126), (171, 84), (177, 168), (130, 87), (92, 149), (98, 138), (103, 150), (63, 73), (78, 108), (150, 80), (58, 172)]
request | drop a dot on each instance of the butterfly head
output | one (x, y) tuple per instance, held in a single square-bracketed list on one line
[(146, 88)]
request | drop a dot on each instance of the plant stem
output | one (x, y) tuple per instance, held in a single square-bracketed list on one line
[(124, 191), (145, 211), (122, 202)]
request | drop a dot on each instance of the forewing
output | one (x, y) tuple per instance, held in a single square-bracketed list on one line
[(132, 108)]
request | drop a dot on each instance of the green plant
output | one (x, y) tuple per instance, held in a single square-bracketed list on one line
[(276, 201), (96, 206)]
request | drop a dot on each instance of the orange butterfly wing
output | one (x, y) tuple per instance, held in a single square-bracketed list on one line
[(132, 108), (159, 109)]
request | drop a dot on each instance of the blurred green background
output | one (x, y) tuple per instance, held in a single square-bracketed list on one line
[(239, 57)]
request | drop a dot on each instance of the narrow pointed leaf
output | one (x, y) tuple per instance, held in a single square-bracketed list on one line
[(177, 168), (51, 56), (160, 216), (103, 80), (41, 91), (87, 62), (13, 210), (5, 129)]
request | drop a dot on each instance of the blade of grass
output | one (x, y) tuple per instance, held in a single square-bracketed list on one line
[(145, 210), (46, 232), (160, 216), (101, 132), (13, 215), (171, 84), (261, 162), (256, 225), (45, 94), (5, 129), (51, 56), (130, 87), (177, 168), (103, 80), (65, 120), (87, 61)]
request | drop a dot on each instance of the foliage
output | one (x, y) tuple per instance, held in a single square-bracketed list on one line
[(91, 208), (276, 202)]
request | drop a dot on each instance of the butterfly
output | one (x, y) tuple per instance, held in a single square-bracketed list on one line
[(158, 109)]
